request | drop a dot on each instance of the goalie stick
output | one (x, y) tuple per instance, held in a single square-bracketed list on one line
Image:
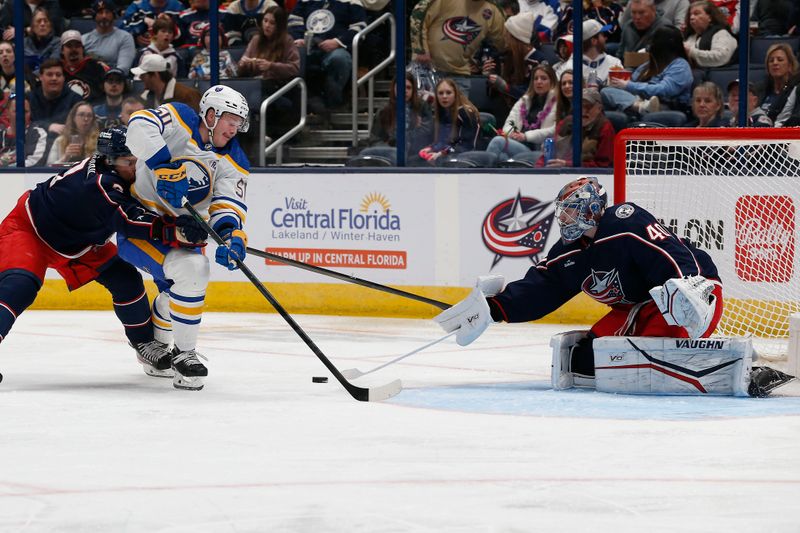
[(346, 277), (353, 373), (359, 393)]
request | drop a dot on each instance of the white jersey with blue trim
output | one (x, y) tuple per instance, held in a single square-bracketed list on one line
[(217, 177)]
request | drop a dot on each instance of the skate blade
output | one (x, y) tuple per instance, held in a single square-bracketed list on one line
[(156, 373), (182, 382)]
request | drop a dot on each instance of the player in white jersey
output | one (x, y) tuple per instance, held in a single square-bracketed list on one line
[(186, 157)]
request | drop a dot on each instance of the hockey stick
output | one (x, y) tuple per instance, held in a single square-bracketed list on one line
[(345, 277), (353, 373), (359, 393)]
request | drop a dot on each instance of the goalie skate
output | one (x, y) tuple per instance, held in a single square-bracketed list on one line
[(155, 358), (190, 373), (763, 380)]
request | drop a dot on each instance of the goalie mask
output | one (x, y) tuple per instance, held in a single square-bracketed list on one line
[(579, 206)]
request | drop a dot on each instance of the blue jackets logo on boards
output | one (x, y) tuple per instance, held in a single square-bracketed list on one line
[(518, 227)]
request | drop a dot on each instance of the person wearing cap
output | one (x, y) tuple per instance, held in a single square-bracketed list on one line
[(596, 63), (448, 33), (83, 74), (115, 89), (597, 136), (41, 42), (160, 86), (756, 117), (544, 15), (708, 39), (109, 44), (52, 99)]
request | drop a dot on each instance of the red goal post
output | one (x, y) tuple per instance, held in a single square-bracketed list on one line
[(735, 192)]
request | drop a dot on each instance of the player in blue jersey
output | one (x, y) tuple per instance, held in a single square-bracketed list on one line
[(186, 157), (657, 285), (65, 223)]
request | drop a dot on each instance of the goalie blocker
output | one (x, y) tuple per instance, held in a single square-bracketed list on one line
[(658, 365)]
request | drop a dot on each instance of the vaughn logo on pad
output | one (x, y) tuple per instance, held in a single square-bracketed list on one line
[(765, 240)]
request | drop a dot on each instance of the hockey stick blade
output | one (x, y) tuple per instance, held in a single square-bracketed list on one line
[(345, 277), (361, 394)]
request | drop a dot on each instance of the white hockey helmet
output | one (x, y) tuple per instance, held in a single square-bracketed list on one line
[(579, 206), (223, 99)]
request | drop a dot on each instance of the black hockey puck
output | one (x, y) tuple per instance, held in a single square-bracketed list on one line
[(319, 379), (1, 378)]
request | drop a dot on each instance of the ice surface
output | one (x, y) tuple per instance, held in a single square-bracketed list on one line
[(476, 441)]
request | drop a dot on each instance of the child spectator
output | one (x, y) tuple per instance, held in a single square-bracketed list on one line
[(201, 63), (756, 117), (163, 32)]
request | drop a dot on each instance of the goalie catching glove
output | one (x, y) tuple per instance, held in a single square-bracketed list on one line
[(183, 231), (235, 249), (471, 316), (172, 184), (687, 302)]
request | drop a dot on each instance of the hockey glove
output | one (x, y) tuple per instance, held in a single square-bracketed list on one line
[(183, 231), (236, 249), (171, 182), (686, 302), (470, 317)]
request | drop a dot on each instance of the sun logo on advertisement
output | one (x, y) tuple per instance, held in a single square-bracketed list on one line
[(518, 227), (375, 202)]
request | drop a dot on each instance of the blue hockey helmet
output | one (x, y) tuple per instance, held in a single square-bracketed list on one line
[(111, 143), (579, 206)]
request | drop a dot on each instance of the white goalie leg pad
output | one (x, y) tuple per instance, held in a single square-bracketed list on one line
[(655, 365), (560, 375)]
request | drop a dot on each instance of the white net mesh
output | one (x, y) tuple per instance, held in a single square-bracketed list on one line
[(737, 199)]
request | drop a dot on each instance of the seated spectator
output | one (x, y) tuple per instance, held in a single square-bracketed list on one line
[(79, 138), (115, 85), (532, 119), (783, 75), (163, 31), (756, 117), (83, 74), (664, 80), (606, 12), (191, 23), (456, 123), (708, 39), (271, 54), (52, 100), (140, 16), (130, 105), (160, 86), (418, 121), (596, 63), (776, 17), (201, 62), (730, 12), (8, 73), (673, 12), (707, 106), (41, 43), (437, 37), (7, 16), (242, 19), (643, 24), (597, 146), (107, 43), (35, 138), (329, 46)]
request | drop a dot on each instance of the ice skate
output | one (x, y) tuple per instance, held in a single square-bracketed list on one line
[(190, 373), (155, 358)]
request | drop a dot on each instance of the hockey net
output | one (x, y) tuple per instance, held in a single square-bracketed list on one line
[(735, 193)]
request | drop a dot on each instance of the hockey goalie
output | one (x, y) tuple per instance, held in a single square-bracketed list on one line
[(664, 293)]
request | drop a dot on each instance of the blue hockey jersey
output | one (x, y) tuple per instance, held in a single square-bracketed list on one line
[(83, 206), (630, 254)]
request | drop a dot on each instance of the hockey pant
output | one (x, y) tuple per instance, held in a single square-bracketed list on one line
[(24, 259), (181, 275), (640, 320)]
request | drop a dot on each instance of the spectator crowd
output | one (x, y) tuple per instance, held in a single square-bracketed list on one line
[(485, 76)]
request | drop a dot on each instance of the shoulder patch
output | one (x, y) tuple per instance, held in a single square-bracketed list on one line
[(624, 211)]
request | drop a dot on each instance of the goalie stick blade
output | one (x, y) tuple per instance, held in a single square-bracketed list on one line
[(384, 392)]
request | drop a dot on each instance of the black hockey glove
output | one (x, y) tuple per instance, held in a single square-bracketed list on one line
[(175, 232)]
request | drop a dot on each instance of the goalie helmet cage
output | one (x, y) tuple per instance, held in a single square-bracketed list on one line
[(735, 193)]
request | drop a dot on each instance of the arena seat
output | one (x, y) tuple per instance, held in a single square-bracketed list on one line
[(474, 159), (374, 156), (618, 119), (549, 51), (670, 119), (523, 160), (760, 45), (83, 25)]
